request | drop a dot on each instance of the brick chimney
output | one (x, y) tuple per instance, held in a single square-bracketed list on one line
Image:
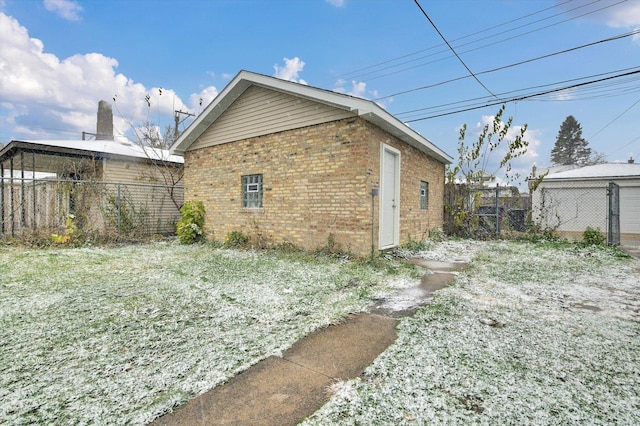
[(104, 128), (630, 160)]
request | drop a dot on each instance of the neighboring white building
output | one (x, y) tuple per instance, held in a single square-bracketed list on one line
[(570, 201)]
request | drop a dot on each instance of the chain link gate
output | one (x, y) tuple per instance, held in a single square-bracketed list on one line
[(613, 234)]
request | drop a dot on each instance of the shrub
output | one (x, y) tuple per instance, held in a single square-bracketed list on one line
[(236, 239), (69, 231), (190, 226), (593, 237), (415, 245), (332, 249)]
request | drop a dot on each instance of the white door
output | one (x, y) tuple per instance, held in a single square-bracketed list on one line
[(389, 198)]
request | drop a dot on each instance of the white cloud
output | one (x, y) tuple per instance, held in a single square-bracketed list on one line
[(336, 3), (291, 70), (624, 15), (199, 101), (66, 9), (613, 13), (42, 93), (358, 89), (563, 95)]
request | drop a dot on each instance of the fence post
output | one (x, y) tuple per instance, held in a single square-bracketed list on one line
[(119, 209), (33, 176), (497, 210), (23, 203), (12, 211), (2, 199)]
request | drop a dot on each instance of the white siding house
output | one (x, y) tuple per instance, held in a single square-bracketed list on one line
[(570, 201)]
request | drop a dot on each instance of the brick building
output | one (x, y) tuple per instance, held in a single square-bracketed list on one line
[(294, 163)]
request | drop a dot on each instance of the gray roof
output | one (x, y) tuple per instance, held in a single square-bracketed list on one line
[(104, 147), (599, 171), (366, 109)]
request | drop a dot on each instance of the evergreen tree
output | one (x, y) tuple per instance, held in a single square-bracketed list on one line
[(570, 147)]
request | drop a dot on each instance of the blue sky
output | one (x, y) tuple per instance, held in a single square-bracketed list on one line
[(58, 58)]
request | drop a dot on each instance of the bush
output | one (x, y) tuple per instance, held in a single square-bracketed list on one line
[(593, 237), (69, 231), (191, 224), (415, 245), (236, 239)]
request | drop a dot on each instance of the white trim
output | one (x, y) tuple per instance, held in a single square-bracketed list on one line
[(396, 219)]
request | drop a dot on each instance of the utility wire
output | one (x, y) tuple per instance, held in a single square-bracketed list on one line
[(521, 98), (612, 121), (349, 74), (519, 90), (483, 46), (502, 24), (452, 49), (626, 144), (629, 34)]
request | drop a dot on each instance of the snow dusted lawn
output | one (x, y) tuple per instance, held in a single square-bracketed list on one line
[(121, 335), (564, 347)]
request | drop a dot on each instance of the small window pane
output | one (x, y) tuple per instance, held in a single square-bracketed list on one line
[(252, 191), (424, 195)]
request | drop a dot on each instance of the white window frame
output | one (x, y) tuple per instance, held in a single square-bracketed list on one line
[(424, 195), (252, 191)]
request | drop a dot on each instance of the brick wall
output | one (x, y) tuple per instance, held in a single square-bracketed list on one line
[(416, 166), (317, 182)]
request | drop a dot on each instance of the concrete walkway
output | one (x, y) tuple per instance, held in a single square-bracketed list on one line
[(631, 250), (285, 390)]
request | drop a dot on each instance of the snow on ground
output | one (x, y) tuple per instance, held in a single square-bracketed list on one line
[(404, 294), (529, 334), (122, 335)]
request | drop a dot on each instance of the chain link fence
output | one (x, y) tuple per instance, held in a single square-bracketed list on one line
[(111, 210), (482, 212), (570, 207), (567, 208)]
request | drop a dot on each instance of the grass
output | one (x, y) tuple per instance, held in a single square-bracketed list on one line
[(121, 335), (568, 351)]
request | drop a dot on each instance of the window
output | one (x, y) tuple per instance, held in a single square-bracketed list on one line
[(424, 195), (252, 191)]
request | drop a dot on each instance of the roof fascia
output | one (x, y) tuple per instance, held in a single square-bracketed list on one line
[(589, 178), (15, 147), (206, 118), (366, 109)]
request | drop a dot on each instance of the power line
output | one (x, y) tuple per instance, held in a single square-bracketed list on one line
[(612, 121), (524, 97), (519, 90), (502, 24), (347, 74), (626, 144), (629, 34), (485, 45), (452, 49)]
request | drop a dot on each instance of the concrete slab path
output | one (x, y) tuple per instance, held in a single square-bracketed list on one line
[(285, 390)]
